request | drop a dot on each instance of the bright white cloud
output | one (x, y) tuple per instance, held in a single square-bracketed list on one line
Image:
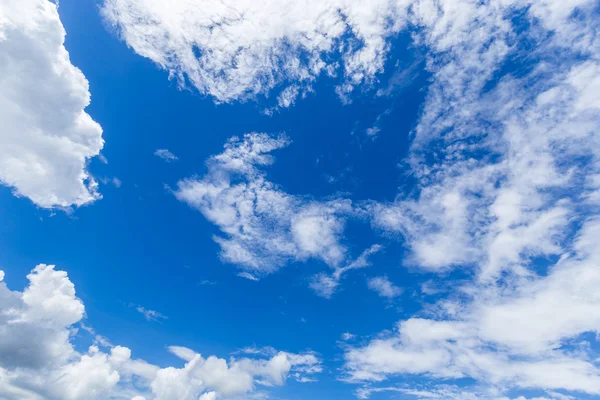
[(263, 227), (217, 47), (38, 360), (46, 137)]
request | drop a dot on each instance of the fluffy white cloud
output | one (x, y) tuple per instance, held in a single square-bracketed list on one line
[(38, 360), (499, 155), (46, 137), (238, 49), (263, 227)]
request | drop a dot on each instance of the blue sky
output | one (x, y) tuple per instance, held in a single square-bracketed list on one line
[(317, 200)]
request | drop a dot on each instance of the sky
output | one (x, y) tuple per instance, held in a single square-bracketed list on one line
[(290, 200)]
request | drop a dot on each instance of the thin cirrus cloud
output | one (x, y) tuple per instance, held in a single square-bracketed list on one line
[(46, 137), (38, 359)]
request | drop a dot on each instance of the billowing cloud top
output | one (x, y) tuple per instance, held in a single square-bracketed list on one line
[(38, 359), (46, 137)]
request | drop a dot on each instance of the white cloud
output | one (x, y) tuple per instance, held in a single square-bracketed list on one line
[(506, 171), (217, 47), (383, 287), (348, 336), (166, 155), (38, 360), (492, 209), (325, 284), (263, 228), (46, 138), (247, 275), (150, 315)]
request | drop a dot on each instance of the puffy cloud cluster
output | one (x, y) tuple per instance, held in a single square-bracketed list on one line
[(46, 137), (38, 360)]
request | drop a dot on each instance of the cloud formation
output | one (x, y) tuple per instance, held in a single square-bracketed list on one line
[(263, 228), (46, 137), (383, 287), (166, 155), (217, 46), (38, 359), (507, 168)]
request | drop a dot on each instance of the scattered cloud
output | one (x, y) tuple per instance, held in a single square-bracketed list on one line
[(504, 194), (150, 315), (46, 138), (325, 285), (347, 336), (262, 227), (217, 48), (383, 287), (38, 359), (247, 275), (165, 155), (116, 182)]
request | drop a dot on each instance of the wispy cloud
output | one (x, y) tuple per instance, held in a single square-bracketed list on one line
[(504, 194), (45, 338), (166, 155), (383, 287), (278, 228), (150, 315), (247, 275)]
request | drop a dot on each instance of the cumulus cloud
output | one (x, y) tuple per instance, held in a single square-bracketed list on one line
[(46, 138), (38, 359), (217, 47)]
